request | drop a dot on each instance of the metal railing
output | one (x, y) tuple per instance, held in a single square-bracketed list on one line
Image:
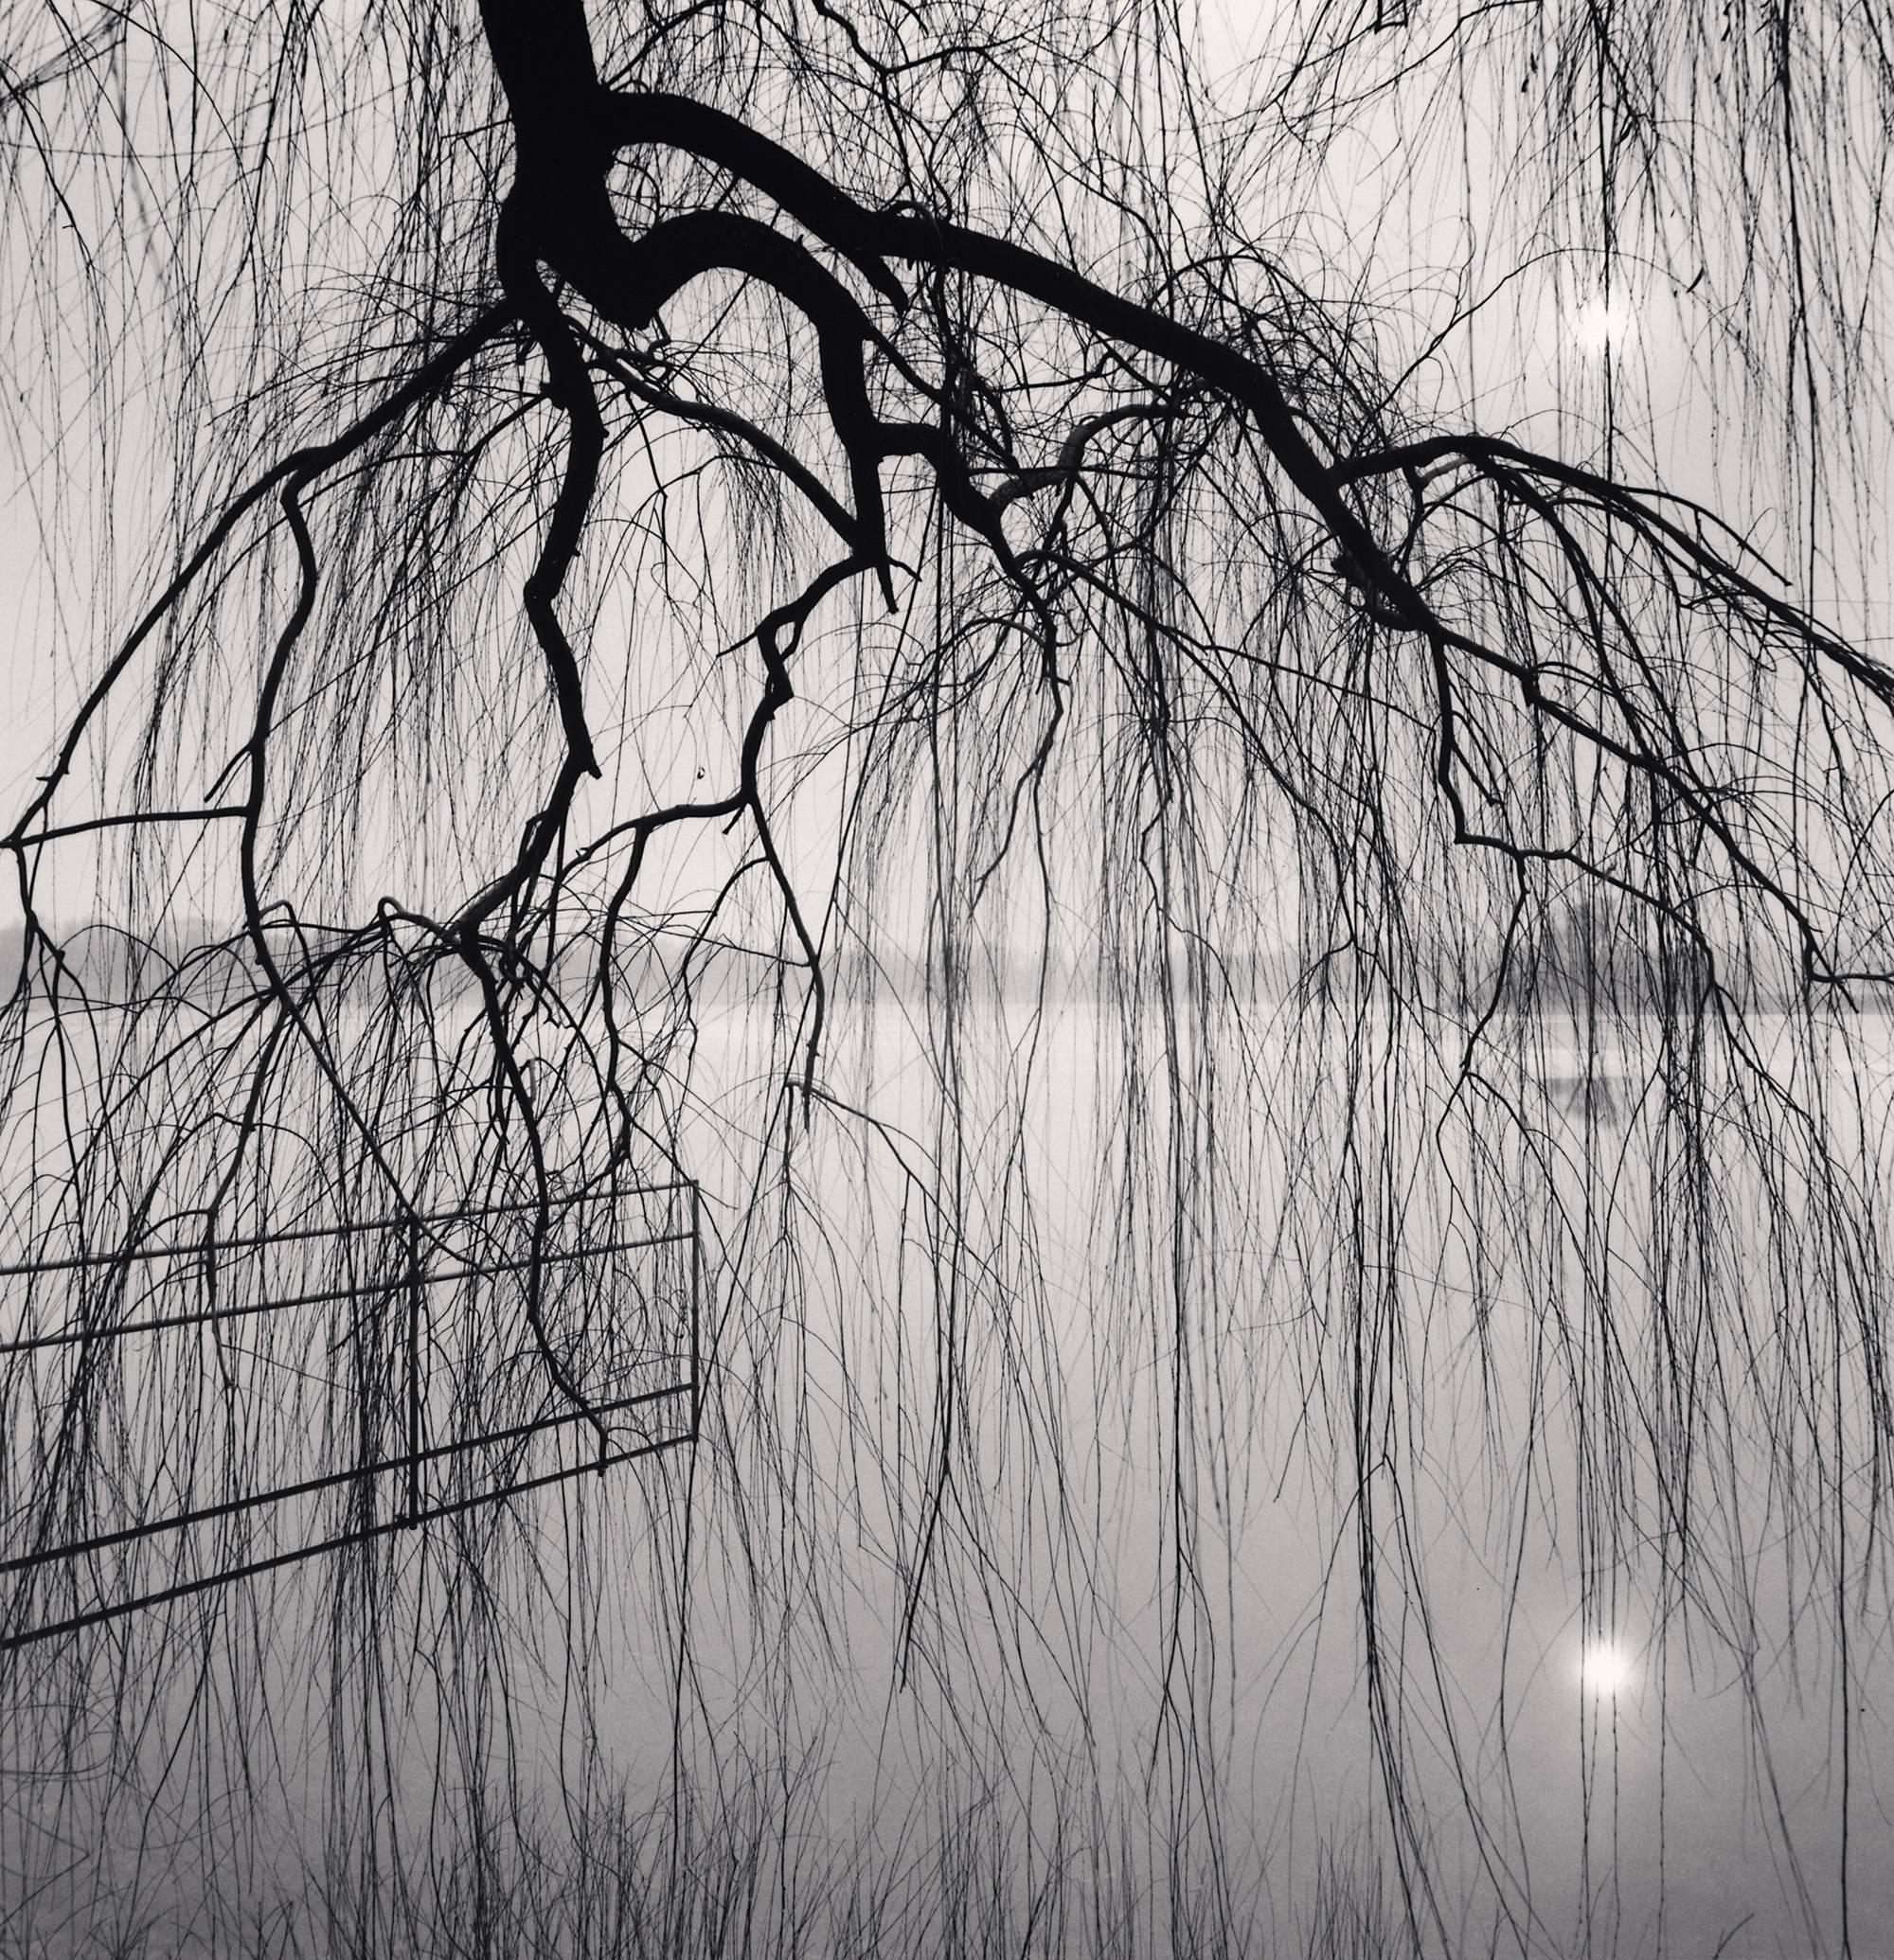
[(475, 1391)]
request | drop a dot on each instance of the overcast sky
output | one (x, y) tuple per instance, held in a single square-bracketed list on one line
[(1539, 348)]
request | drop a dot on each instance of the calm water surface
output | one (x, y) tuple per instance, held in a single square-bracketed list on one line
[(1174, 1463)]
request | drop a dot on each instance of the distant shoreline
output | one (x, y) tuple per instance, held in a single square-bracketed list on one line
[(115, 971)]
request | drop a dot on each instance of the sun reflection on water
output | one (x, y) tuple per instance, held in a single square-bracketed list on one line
[(1606, 1667)]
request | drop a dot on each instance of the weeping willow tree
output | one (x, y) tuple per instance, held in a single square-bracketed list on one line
[(995, 704)]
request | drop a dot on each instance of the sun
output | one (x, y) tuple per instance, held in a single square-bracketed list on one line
[(1605, 1667), (1600, 325)]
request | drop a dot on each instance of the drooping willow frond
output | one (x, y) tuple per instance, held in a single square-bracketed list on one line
[(934, 622)]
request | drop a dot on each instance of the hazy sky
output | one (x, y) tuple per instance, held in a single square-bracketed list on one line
[(1538, 348)]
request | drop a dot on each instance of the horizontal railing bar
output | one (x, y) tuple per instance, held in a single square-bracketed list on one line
[(230, 1507), (99, 1615), (211, 1314), (33, 1268)]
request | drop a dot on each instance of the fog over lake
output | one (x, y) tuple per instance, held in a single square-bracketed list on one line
[(1128, 1625)]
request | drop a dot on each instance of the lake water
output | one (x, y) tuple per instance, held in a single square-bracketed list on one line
[(1279, 1425)]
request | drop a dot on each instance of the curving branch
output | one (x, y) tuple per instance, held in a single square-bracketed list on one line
[(855, 575)]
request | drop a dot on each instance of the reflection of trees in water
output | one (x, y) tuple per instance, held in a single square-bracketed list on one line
[(658, 558)]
